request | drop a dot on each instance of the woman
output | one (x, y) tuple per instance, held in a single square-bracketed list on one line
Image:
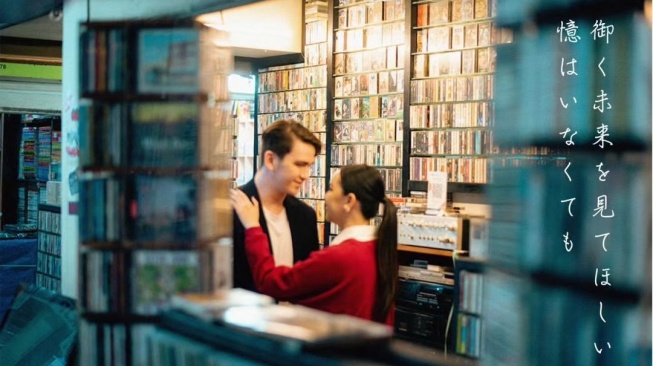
[(357, 274)]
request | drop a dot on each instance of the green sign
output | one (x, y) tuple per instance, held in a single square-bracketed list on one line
[(52, 72)]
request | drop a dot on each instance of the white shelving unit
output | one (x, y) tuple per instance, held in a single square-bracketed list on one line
[(244, 142)]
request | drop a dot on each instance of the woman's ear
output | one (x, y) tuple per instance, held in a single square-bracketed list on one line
[(350, 202)]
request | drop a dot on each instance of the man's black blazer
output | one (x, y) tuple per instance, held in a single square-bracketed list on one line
[(303, 229)]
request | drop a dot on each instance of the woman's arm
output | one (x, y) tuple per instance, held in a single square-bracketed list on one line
[(318, 273)]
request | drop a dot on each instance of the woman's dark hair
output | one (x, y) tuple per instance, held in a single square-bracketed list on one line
[(279, 138), (366, 184)]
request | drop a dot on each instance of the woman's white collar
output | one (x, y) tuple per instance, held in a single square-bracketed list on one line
[(358, 233)]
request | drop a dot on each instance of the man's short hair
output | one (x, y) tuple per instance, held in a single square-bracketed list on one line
[(279, 137)]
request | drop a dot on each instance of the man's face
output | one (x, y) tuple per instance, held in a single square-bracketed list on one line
[(293, 170)]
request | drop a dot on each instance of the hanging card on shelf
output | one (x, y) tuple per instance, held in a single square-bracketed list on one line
[(436, 193)]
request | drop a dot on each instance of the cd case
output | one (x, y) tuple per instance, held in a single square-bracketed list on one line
[(204, 305), (304, 328)]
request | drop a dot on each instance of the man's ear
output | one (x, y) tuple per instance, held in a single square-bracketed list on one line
[(269, 160)]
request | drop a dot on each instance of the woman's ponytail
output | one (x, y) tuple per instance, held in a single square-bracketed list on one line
[(386, 259)]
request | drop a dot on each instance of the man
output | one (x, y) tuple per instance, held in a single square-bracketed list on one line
[(288, 150)]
